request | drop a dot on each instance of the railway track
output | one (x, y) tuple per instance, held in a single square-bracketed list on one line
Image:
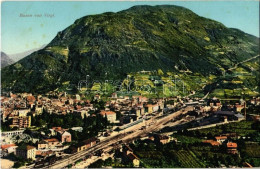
[(134, 133)]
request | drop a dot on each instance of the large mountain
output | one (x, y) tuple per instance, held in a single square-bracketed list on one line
[(170, 38), (5, 60)]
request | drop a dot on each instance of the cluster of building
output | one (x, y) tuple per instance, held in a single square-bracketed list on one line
[(15, 108), (48, 144), (126, 155), (18, 109), (231, 147), (130, 109), (213, 111)]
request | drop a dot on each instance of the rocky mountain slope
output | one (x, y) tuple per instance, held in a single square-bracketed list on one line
[(170, 38)]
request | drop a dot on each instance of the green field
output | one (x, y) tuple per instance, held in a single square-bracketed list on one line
[(242, 128), (187, 159)]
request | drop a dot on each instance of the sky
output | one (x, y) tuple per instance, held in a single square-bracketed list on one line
[(19, 34)]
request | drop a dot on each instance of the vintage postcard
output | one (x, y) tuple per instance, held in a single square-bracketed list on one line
[(130, 84)]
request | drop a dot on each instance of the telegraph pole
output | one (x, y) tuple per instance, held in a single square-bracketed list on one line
[(175, 82), (245, 109), (87, 82), (183, 87), (128, 84)]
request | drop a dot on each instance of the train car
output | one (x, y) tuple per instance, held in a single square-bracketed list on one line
[(83, 145), (49, 160)]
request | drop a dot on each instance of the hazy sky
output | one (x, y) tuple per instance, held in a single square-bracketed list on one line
[(19, 34)]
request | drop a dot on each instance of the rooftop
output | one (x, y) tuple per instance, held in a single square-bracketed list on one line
[(231, 145), (103, 113), (221, 137)]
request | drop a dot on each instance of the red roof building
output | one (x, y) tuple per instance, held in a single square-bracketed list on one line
[(212, 142), (7, 146), (111, 116), (232, 148)]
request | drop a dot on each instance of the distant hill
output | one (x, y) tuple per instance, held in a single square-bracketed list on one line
[(166, 37), (18, 56), (5, 60)]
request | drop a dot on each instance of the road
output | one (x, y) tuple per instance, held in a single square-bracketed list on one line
[(243, 62), (107, 143)]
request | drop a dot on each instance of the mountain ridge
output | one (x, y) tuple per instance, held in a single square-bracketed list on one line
[(5, 60), (164, 37), (18, 56)]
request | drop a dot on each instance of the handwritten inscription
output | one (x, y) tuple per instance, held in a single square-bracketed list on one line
[(47, 15)]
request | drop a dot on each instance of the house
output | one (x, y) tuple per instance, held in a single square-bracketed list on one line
[(214, 102), (42, 145), (57, 128), (212, 142), (81, 113), (97, 97), (165, 139), (30, 99), (150, 108), (138, 111), (239, 107), (21, 122), (255, 101), (64, 136), (114, 95), (129, 156), (232, 148), (162, 139), (221, 139), (52, 132), (26, 151), (8, 148), (52, 142), (142, 99), (38, 109), (111, 116), (77, 97)]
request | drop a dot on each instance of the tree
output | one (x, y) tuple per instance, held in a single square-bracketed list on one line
[(256, 126), (108, 162), (27, 131), (98, 164), (210, 136), (41, 122), (118, 115)]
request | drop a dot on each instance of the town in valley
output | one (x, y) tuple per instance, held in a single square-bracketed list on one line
[(130, 84), (60, 130)]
